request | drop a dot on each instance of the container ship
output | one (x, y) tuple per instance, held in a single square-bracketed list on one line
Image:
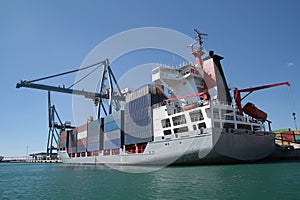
[(186, 116)]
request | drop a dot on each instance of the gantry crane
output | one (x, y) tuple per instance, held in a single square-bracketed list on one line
[(106, 92)]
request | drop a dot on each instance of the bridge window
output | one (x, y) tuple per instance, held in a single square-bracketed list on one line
[(167, 132), (201, 125), (207, 110), (194, 127), (244, 126), (165, 123), (179, 120), (181, 129), (196, 115)]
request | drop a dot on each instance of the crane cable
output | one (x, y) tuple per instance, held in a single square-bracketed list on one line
[(292, 105), (84, 77), (68, 72)]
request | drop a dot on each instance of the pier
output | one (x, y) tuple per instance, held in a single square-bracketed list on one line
[(32, 158)]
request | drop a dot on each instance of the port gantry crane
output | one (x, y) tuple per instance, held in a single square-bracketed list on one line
[(107, 78)]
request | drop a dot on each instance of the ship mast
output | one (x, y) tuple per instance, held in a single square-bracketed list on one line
[(199, 52)]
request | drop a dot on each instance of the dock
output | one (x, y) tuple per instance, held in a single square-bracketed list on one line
[(30, 159)]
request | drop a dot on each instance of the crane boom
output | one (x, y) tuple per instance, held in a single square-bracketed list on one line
[(264, 87), (86, 94), (237, 93), (114, 96)]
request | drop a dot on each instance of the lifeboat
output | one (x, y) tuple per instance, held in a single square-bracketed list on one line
[(251, 110)]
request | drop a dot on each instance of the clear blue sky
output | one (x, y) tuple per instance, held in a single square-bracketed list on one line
[(259, 40)]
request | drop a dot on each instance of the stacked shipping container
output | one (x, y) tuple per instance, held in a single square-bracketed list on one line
[(113, 130), (286, 136), (72, 141), (107, 133), (81, 138), (95, 135), (64, 140), (138, 123)]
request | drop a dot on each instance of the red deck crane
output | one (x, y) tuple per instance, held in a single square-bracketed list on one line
[(238, 99)]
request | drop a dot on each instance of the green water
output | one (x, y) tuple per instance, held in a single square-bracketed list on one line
[(59, 181)]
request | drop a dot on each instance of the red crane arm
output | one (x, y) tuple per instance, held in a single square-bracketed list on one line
[(264, 87), (237, 93)]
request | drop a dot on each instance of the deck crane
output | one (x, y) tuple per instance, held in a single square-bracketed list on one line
[(238, 99), (113, 96)]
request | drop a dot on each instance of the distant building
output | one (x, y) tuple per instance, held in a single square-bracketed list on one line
[(43, 156)]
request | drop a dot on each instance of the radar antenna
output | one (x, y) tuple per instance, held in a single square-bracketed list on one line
[(199, 36)]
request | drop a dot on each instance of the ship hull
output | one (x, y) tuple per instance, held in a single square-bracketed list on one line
[(211, 146)]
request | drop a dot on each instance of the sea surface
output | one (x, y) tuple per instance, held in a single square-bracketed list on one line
[(239, 181)]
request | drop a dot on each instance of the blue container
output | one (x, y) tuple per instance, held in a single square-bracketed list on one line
[(81, 148), (93, 139), (113, 125), (138, 125), (130, 139), (94, 127), (139, 103), (144, 101), (72, 139), (116, 116), (112, 135), (93, 147), (74, 149), (63, 145), (112, 144)]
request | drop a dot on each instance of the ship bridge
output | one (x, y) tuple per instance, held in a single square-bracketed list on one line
[(182, 81)]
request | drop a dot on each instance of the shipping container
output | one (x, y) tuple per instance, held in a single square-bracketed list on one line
[(72, 138), (95, 135), (130, 139), (113, 121), (81, 148), (81, 145), (81, 142), (95, 127), (82, 128), (82, 131), (114, 125), (93, 139), (147, 89), (64, 139), (138, 127), (115, 116), (288, 136), (281, 130), (69, 150), (93, 146), (297, 132), (112, 144), (72, 150), (297, 137), (62, 145), (144, 101), (111, 135)]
